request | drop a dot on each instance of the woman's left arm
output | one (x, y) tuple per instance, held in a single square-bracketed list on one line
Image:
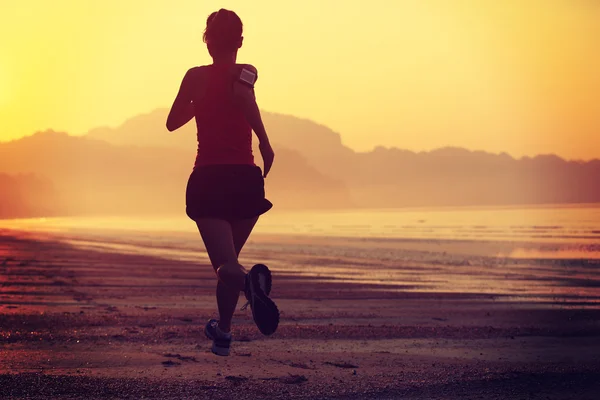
[(182, 110)]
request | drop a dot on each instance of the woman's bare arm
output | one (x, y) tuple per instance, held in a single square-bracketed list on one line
[(245, 97), (182, 110)]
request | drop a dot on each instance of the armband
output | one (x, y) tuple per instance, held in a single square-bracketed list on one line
[(247, 77)]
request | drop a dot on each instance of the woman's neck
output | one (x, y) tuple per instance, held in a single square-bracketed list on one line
[(225, 59)]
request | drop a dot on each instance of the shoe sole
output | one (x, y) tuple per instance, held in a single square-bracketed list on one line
[(264, 311), (220, 351), (263, 270)]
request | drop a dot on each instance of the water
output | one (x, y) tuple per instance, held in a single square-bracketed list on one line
[(567, 224), (581, 224), (547, 255)]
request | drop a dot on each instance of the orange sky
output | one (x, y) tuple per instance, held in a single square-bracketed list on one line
[(516, 76)]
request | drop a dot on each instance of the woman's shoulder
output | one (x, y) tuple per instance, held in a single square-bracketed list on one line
[(197, 70), (248, 67), (246, 73), (196, 74), (236, 67)]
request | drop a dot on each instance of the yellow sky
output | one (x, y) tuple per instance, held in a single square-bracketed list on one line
[(512, 75)]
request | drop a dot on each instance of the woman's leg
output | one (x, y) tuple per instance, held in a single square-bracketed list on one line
[(264, 310), (241, 230), (218, 239)]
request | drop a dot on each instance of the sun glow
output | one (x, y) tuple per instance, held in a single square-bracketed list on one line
[(5, 92), (510, 76)]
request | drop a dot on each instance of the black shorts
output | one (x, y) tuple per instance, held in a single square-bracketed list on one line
[(229, 192)]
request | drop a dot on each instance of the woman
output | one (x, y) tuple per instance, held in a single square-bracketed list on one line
[(225, 192)]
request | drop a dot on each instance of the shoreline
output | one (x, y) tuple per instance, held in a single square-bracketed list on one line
[(524, 206), (402, 268)]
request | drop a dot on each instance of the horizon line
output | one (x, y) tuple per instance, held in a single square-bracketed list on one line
[(373, 149)]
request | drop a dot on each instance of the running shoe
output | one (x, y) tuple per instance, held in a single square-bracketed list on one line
[(221, 341), (264, 280), (264, 310)]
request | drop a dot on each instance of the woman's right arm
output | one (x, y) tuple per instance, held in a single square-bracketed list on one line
[(245, 97), (243, 92)]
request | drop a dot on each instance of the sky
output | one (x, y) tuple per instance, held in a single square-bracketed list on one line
[(502, 76)]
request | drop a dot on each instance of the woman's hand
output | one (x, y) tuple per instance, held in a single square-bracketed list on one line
[(267, 155)]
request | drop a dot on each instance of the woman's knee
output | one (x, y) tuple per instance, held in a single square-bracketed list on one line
[(230, 268), (231, 273), (216, 264)]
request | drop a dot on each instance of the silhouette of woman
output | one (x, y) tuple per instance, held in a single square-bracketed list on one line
[(225, 192)]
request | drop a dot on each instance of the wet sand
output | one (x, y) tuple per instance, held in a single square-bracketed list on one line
[(79, 322)]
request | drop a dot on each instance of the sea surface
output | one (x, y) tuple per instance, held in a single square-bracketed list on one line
[(571, 223), (545, 255)]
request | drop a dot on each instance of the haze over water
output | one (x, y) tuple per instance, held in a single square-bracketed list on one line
[(546, 255), (565, 224)]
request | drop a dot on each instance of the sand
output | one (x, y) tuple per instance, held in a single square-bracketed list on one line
[(82, 321)]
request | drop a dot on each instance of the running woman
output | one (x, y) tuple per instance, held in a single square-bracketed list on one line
[(225, 193)]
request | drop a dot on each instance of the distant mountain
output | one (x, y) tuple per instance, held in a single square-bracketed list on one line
[(28, 196), (96, 177), (453, 176), (319, 145), (140, 167), (302, 135), (148, 130), (391, 177)]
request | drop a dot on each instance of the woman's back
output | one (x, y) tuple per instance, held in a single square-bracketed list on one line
[(224, 134)]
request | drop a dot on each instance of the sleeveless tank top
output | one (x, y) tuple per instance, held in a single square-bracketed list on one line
[(224, 134)]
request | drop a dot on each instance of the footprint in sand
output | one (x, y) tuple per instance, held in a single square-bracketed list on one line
[(341, 364), (170, 363), (180, 357)]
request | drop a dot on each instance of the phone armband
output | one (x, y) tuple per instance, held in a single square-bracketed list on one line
[(247, 77)]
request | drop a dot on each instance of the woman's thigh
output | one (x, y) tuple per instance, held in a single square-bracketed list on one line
[(218, 238), (241, 230)]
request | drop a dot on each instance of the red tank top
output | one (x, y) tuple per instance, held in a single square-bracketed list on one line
[(224, 134)]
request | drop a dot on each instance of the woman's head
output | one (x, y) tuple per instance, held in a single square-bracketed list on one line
[(223, 33)]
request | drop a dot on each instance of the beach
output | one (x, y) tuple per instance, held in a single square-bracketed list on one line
[(425, 174), (115, 314)]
